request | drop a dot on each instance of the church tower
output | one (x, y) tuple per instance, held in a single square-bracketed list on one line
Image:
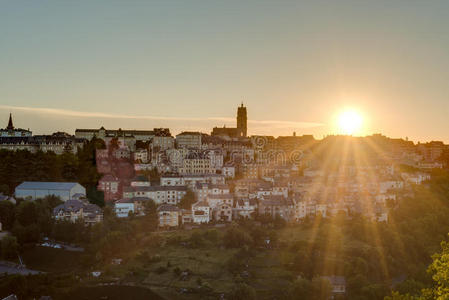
[(10, 125), (242, 120)]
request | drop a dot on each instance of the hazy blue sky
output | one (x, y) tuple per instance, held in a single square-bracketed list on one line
[(188, 64)]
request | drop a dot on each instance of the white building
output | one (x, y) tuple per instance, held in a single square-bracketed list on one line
[(275, 191), (172, 180), (430, 165), (189, 139), (223, 212), (300, 210), (102, 133), (74, 210), (415, 178), (390, 184), (216, 158), (321, 209), (338, 284), (162, 143), (143, 167), (33, 190), (140, 181), (141, 156), (201, 212), (219, 199), (191, 180), (168, 215), (203, 190), (124, 207), (384, 198), (159, 194), (313, 172), (228, 171), (197, 165), (245, 208)]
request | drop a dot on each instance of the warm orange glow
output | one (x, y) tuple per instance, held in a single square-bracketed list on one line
[(349, 122)]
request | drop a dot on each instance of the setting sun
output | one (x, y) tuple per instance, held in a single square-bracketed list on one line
[(349, 122)]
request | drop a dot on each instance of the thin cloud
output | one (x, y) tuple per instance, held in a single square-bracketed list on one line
[(82, 114), (278, 123)]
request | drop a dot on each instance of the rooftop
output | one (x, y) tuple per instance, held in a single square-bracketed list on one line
[(40, 185), (140, 178), (167, 207), (125, 201), (154, 188), (201, 204), (190, 133), (220, 196)]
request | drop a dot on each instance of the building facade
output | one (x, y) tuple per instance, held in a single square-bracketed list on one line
[(189, 139), (168, 215), (74, 210)]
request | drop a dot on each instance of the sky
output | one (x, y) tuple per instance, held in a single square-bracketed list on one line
[(187, 65)]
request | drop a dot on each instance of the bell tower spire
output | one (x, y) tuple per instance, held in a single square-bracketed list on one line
[(10, 125)]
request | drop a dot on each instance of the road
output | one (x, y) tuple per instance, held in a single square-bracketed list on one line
[(12, 268)]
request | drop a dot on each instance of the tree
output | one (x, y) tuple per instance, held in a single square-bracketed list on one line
[(155, 177), (95, 196), (321, 288), (69, 166), (149, 207), (273, 236), (439, 268), (27, 213), (410, 286), (196, 239), (301, 288), (113, 145), (26, 234), (7, 214), (318, 288), (68, 231), (303, 262), (50, 201), (258, 235), (356, 284), (112, 245), (151, 219), (211, 235), (48, 166), (242, 291), (440, 273), (236, 238), (4, 189), (279, 222), (398, 296), (9, 247), (87, 173)]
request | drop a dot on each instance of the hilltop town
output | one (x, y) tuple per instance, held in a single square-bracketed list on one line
[(227, 175), (219, 180)]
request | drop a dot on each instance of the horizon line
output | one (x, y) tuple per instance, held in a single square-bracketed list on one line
[(282, 123)]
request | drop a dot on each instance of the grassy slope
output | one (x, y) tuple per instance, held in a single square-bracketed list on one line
[(267, 270), (268, 274)]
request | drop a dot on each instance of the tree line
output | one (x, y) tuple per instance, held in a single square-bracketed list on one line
[(23, 165)]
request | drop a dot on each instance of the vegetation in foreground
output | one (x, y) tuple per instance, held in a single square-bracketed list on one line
[(238, 261)]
